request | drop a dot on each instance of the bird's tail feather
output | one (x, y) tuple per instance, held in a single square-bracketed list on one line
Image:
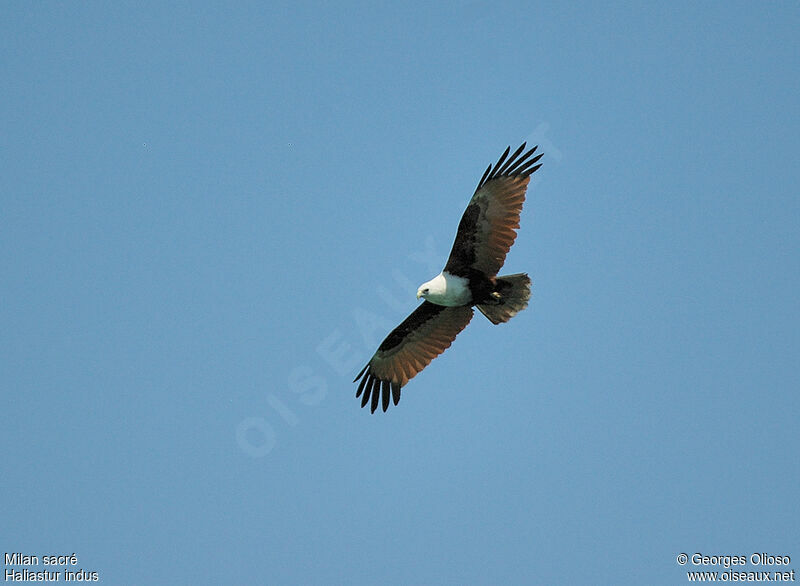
[(512, 293)]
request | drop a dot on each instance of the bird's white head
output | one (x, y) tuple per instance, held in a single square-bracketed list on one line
[(435, 288)]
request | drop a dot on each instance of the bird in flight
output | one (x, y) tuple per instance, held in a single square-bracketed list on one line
[(469, 278)]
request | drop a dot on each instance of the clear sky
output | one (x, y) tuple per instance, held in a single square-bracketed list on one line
[(212, 213)]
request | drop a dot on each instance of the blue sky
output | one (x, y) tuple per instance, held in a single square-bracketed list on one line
[(213, 212)]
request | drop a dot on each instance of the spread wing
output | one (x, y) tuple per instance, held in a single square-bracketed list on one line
[(409, 348), (488, 227)]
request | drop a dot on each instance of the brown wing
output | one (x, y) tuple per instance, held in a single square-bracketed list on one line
[(423, 335), (488, 227)]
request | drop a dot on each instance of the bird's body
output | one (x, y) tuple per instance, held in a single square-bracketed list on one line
[(485, 234)]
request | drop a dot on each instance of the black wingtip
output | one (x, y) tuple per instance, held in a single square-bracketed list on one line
[(385, 395), (511, 160), (500, 161), (485, 175), (516, 165), (527, 168), (367, 388), (361, 386), (360, 374), (376, 395), (376, 392)]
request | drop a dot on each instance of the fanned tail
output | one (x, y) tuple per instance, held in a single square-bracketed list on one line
[(512, 293)]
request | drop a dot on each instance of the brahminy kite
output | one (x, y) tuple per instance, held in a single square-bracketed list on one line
[(485, 234)]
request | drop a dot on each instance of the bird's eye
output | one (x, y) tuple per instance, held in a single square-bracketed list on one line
[(425, 291)]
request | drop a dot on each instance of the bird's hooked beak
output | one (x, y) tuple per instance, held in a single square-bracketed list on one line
[(419, 294)]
